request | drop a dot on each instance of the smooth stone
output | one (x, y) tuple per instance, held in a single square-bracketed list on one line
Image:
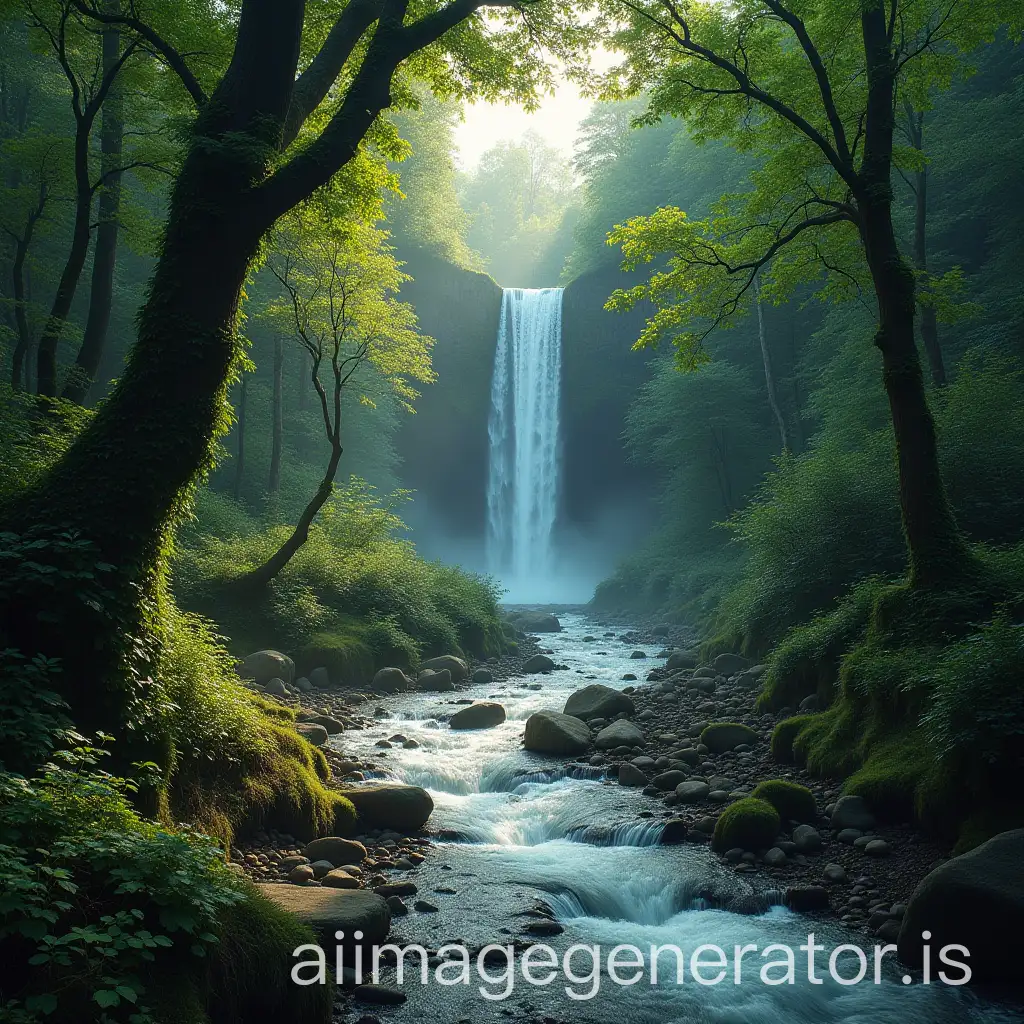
[(329, 910)]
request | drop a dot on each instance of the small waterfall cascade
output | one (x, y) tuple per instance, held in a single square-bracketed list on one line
[(523, 430)]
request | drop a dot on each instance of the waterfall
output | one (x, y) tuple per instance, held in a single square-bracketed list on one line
[(522, 487)]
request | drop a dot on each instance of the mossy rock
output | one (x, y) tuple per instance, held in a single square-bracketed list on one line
[(344, 651), (750, 824), (793, 801), (247, 980), (724, 736), (783, 736)]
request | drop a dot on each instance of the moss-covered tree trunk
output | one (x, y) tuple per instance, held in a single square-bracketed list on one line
[(938, 551)]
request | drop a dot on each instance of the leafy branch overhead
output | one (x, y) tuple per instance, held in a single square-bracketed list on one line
[(807, 89)]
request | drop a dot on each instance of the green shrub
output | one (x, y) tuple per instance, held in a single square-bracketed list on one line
[(749, 824), (108, 916), (354, 579), (793, 801)]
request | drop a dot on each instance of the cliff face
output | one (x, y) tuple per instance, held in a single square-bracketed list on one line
[(600, 377), (444, 445)]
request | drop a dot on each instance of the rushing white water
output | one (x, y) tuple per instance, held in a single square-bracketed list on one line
[(527, 823), (522, 487)]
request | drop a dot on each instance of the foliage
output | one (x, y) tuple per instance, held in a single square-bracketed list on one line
[(747, 824), (793, 801), (354, 566)]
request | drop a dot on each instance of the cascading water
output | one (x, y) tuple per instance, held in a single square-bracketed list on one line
[(522, 490)]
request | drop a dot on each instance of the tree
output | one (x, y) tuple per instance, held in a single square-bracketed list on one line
[(811, 87), (339, 286), (296, 104)]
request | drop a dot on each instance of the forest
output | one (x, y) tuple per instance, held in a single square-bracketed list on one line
[(334, 460)]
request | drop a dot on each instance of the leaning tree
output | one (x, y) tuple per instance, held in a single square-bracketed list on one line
[(302, 95)]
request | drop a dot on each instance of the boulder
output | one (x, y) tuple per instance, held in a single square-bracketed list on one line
[(332, 725), (619, 734), (435, 682), (456, 666), (336, 850), (320, 678), (316, 734), (668, 781), (483, 676), (390, 680), (303, 685), (852, 812), (630, 775), (262, 666), (548, 732), (329, 910), (275, 688), (598, 701), (484, 714), (974, 900), (675, 831), (805, 898), (538, 663), (724, 736), (390, 805), (538, 622), (807, 838), (730, 664), (681, 659), (338, 879), (695, 790)]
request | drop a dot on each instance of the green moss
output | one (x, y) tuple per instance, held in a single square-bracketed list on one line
[(750, 824), (783, 736), (793, 801), (343, 650), (983, 825), (247, 979), (807, 660), (722, 736)]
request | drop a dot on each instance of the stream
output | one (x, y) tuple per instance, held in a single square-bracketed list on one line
[(517, 829)]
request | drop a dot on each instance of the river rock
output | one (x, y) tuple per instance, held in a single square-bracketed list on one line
[(337, 878), (598, 701), (974, 900), (336, 850), (320, 678), (667, 781), (315, 734), (435, 682), (456, 666), (484, 714), (681, 659), (329, 910), (332, 725), (852, 812), (693, 790), (538, 663), (630, 775), (303, 685), (807, 838), (379, 995), (727, 736), (390, 680), (806, 898), (262, 666), (483, 676), (538, 622), (730, 664), (675, 831), (390, 805), (276, 688), (619, 734), (548, 732)]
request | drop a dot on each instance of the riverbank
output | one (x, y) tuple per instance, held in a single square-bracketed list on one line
[(523, 848)]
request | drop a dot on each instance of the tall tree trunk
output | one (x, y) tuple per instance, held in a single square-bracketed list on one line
[(240, 454), (769, 377), (277, 428), (938, 551), (24, 342), (929, 321), (105, 254), (46, 355)]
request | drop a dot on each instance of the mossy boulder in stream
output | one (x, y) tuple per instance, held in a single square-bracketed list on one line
[(748, 824)]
